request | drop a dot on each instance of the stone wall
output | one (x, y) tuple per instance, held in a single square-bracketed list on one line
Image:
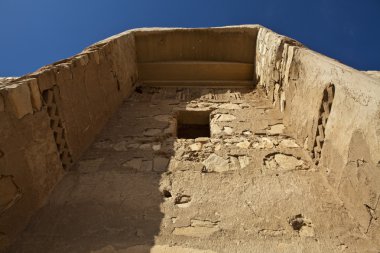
[(340, 130), (49, 117), (350, 139)]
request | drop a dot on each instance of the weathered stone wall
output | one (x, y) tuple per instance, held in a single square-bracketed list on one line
[(48, 118), (374, 74), (341, 130), (274, 54), (351, 138)]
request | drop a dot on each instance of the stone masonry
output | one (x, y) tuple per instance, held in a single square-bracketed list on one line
[(284, 158)]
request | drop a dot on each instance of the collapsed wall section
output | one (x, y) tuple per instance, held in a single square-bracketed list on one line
[(49, 118)]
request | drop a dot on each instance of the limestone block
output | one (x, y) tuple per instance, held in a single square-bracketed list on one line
[(234, 163), (83, 59), (147, 166), (202, 139), (120, 146), (282, 101), (163, 117), (2, 104), (95, 55), (288, 143), (288, 162), (247, 133), (35, 94), (196, 146), (160, 164), (230, 106), (215, 129), (263, 143), (244, 161), (216, 163), (152, 132), (228, 130), (145, 146), (195, 231), (225, 117), (135, 163), (46, 78), (244, 144), (276, 129), (151, 249), (156, 147), (64, 73), (9, 192), (20, 100)]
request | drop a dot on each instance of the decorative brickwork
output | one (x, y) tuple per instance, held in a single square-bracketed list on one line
[(50, 97), (324, 112)]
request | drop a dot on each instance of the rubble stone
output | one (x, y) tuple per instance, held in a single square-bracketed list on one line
[(244, 144), (216, 163), (160, 164)]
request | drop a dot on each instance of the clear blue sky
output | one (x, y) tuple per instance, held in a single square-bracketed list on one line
[(34, 33)]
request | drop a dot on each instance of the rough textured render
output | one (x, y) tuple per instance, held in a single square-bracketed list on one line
[(375, 74), (232, 139)]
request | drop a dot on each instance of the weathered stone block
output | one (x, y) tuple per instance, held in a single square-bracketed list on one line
[(9, 192), (46, 78), (2, 104), (35, 94), (20, 100)]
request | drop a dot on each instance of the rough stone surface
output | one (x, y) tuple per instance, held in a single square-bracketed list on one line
[(160, 163), (196, 146), (291, 163), (9, 192), (199, 193), (2, 103), (216, 163), (20, 99), (225, 117), (243, 144)]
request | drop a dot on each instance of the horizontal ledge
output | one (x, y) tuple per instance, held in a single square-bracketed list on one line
[(196, 70), (198, 83), (197, 62)]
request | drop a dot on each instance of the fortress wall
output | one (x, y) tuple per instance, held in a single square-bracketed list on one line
[(29, 164), (49, 118), (348, 149), (351, 140)]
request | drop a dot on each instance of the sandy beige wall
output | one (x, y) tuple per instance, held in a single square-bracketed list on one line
[(50, 117), (351, 151), (225, 44), (295, 77)]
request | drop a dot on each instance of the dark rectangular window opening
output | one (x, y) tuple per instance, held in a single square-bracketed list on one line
[(193, 124)]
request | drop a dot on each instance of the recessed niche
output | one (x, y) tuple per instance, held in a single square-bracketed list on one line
[(193, 124)]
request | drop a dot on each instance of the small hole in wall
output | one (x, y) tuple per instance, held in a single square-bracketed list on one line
[(139, 90), (1, 154), (166, 194), (193, 124)]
